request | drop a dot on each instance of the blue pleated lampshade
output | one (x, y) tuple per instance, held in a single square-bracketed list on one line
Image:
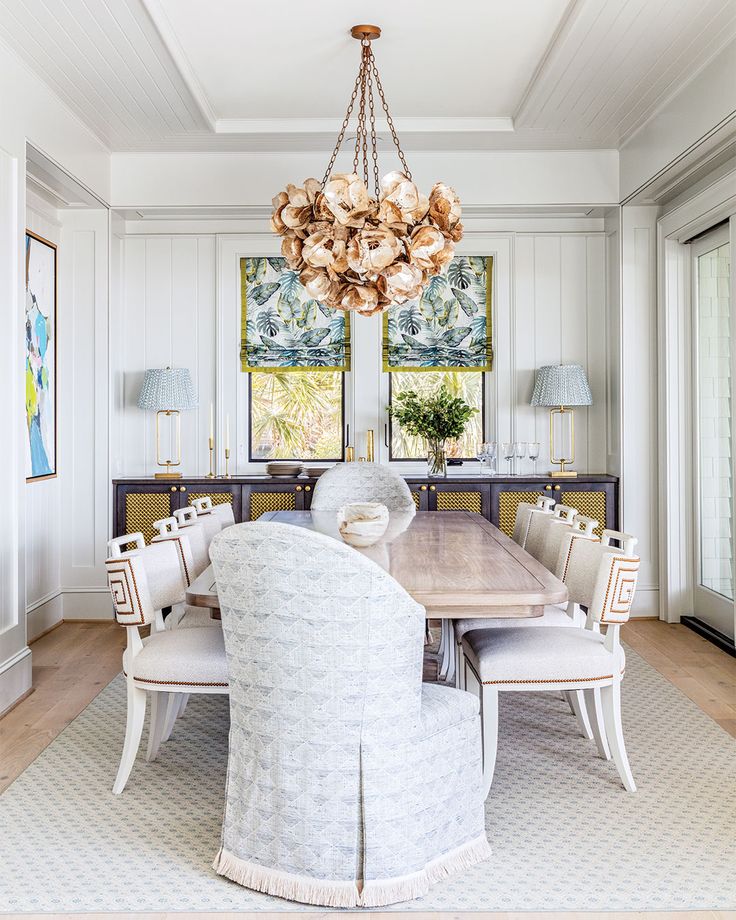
[(561, 385), (167, 388)]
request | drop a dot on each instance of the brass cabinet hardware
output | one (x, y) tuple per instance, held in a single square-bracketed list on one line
[(557, 488), (423, 488), (548, 488), (182, 488), (307, 488), (298, 488), (173, 488), (433, 488)]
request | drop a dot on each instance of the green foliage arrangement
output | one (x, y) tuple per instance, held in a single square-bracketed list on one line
[(435, 417)]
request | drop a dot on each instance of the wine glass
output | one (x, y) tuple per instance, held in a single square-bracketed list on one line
[(534, 454), (507, 449), (519, 453), (481, 454), (491, 451)]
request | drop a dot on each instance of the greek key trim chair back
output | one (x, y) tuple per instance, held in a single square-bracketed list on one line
[(602, 577)]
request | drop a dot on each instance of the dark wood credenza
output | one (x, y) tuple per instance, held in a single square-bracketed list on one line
[(140, 502)]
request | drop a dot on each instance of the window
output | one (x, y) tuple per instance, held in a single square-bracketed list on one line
[(296, 415), (470, 385)]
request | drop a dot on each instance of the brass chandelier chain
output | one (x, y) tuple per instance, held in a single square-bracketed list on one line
[(366, 128)]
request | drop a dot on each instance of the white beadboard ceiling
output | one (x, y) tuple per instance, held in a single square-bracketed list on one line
[(275, 75)]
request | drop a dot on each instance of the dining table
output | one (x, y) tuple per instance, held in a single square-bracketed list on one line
[(454, 563)]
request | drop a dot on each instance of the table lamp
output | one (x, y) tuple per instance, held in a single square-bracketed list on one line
[(560, 386), (167, 390)]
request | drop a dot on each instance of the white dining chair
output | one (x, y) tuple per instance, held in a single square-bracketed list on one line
[(223, 511), (600, 577), (540, 521), (184, 520), (350, 782), (556, 550), (210, 522), (361, 482), (168, 664), (524, 516)]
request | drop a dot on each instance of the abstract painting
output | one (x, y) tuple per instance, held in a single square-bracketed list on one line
[(40, 370)]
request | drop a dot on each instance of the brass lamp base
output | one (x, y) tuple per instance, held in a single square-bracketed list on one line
[(563, 474), (167, 475)]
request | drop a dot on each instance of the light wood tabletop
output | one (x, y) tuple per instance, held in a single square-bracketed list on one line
[(454, 563)]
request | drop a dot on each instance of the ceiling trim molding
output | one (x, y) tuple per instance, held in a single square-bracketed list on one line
[(404, 125), (166, 32)]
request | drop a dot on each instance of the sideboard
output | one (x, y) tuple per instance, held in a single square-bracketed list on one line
[(140, 502)]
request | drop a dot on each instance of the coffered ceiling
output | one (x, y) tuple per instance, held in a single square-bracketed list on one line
[(276, 75)]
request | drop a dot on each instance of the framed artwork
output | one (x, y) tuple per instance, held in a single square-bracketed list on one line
[(40, 370)]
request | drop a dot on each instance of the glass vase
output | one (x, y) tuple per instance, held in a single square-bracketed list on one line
[(436, 458)]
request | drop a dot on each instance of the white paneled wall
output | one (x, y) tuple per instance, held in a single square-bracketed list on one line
[(167, 317), (559, 317), (550, 306), (42, 498)]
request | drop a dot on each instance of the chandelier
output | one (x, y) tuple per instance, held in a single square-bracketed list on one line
[(360, 251)]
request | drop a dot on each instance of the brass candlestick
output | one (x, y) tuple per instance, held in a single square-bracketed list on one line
[(349, 454), (226, 474), (211, 442), (369, 446)]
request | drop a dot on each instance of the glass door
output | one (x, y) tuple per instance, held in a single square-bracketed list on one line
[(713, 431)]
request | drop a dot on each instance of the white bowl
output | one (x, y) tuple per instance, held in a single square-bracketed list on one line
[(362, 523)]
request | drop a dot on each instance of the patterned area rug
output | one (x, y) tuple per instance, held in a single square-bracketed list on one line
[(565, 835)]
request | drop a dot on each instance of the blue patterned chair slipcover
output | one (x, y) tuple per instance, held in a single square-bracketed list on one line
[(350, 783)]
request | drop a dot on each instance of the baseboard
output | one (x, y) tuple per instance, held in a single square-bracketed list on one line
[(646, 602), (87, 605), (724, 642), (43, 616), (15, 678)]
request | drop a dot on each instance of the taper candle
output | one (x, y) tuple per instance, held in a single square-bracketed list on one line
[(227, 432), (212, 420)]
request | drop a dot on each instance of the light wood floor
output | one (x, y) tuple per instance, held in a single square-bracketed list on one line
[(74, 662)]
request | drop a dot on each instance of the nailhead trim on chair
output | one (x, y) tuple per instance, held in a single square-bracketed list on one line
[(127, 571), (179, 683), (549, 680)]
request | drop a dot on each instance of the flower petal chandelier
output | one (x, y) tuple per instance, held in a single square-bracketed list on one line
[(354, 251)]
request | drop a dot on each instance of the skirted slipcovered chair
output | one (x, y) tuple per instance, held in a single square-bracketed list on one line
[(600, 577), (361, 482), (350, 783), (170, 664)]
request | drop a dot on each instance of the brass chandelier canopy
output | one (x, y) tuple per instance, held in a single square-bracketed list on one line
[(354, 251)]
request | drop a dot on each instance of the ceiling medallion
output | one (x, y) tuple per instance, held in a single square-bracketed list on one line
[(354, 251)]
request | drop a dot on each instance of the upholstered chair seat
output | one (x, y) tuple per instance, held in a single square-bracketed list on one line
[(180, 657), (184, 616), (361, 482), (350, 783), (547, 656)]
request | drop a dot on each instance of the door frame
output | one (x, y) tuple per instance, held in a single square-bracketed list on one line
[(675, 229), (705, 600)]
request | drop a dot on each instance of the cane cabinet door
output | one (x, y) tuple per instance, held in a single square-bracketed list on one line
[(457, 496), (259, 498), (138, 506), (219, 493)]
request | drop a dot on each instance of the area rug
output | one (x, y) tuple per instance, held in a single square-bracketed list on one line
[(565, 835)]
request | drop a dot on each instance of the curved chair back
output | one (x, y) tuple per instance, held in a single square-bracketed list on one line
[(580, 526), (185, 521), (361, 482), (602, 577), (524, 515), (539, 520)]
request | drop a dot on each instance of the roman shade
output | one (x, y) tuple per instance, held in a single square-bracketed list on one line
[(449, 328), (282, 327)]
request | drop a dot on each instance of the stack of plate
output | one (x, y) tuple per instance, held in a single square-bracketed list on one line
[(313, 471), (286, 468)]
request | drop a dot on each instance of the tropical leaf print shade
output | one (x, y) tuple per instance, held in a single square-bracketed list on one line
[(449, 327), (283, 328)]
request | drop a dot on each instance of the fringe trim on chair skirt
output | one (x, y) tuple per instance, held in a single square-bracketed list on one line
[(328, 893)]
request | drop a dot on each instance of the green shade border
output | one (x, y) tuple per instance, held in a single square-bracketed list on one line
[(250, 369), (487, 367)]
